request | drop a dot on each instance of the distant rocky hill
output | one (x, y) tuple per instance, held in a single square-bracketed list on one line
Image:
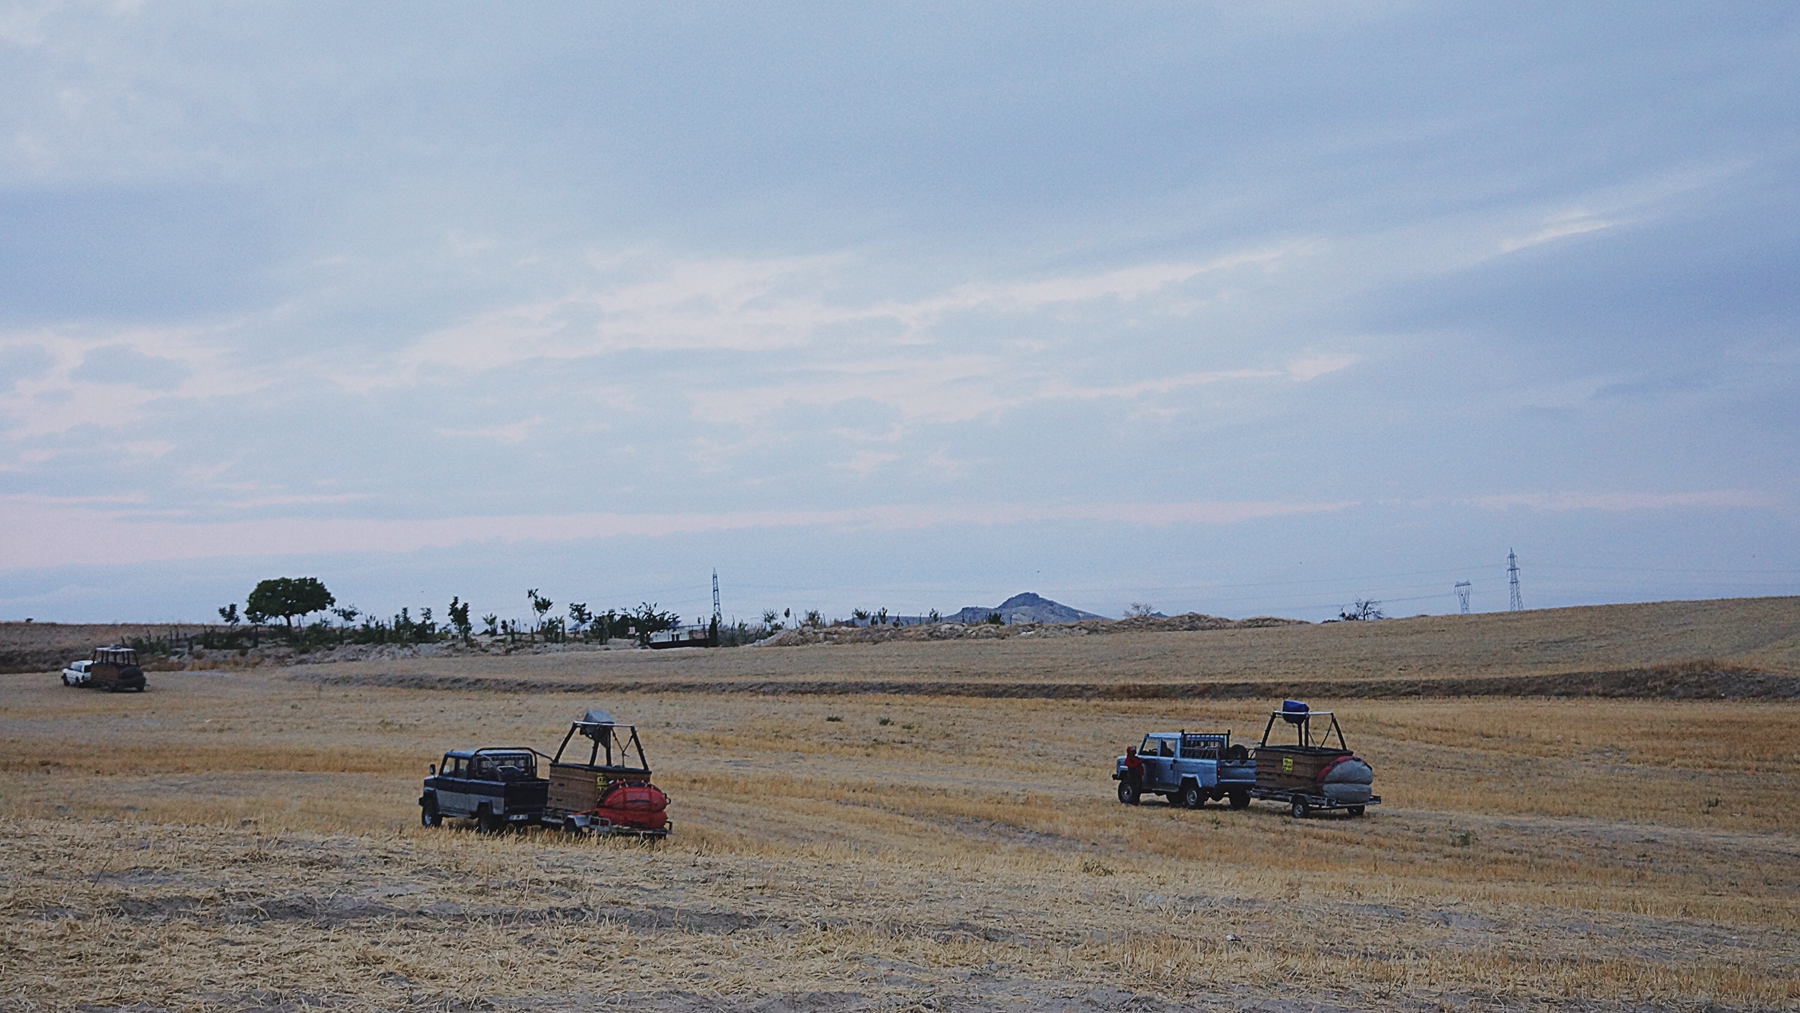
[(1024, 608)]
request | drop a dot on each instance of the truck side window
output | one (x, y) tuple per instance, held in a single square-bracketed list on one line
[(1168, 748)]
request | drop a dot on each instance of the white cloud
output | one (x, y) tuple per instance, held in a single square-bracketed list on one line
[(1618, 501), (1314, 366), (511, 432), (36, 533), (1574, 223), (193, 363), (767, 305)]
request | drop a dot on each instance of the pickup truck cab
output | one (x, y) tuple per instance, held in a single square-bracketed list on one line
[(496, 787), (1187, 768), (77, 673)]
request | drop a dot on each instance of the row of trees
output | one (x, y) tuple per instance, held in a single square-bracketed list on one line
[(291, 598), (296, 598), (775, 622)]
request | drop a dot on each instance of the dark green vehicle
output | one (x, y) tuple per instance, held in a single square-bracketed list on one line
[(496, 788)]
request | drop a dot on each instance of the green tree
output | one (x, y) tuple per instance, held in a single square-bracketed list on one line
[(287, 597), (229, 613), (648, 620), (459, 617), (540, 605)]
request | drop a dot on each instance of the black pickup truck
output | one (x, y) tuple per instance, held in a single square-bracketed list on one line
[(493, 787)]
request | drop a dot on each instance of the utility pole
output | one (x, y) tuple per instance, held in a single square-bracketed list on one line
[(1462, 596), (1512, 572)]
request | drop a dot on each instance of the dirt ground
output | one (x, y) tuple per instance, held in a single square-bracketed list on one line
[(240, 840)]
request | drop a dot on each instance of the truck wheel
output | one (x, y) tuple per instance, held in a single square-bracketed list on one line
[(487, 823), (1298, 808), (1191, 797), (1128, 793), (428, 813), (1240, 800), (1356, 810)]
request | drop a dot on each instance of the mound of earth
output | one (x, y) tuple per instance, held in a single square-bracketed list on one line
[(1186, 623)]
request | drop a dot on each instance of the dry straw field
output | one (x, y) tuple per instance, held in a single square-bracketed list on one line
[(247, 838)]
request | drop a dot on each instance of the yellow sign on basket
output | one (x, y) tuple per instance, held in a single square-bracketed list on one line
[(1287, 765)]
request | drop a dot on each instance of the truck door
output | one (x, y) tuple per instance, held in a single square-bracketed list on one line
[(1159, 759), (453, 788)]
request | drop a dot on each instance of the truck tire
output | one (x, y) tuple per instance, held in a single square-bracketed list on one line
[(486, 822), (428, 813), (1191, 796), (1240, 800), (1128, 793), (1356, 810), (1297, 807)]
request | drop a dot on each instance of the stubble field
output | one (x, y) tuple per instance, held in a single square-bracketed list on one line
[(249, 839)]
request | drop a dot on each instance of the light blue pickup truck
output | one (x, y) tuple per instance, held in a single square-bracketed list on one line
[(1187, 768)]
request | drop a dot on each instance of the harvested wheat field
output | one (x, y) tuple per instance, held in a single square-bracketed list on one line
[(248, 839)]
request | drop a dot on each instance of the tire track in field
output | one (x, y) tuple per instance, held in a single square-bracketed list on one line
[(1698, 680)]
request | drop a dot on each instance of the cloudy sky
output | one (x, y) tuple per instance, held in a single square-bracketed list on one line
[(1240, 308)]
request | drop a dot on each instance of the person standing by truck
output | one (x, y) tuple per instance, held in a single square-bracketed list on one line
[(1131, 780)]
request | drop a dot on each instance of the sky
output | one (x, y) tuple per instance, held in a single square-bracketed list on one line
[(1232, 308)]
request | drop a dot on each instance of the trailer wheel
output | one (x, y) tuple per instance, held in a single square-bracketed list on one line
[(1191, 797), (1356, 810), (1240, 800), (1298, 807), (1128, 793)]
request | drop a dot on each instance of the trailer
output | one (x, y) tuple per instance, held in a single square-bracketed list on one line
[(1311, 774), (607, 793), (113, 669)]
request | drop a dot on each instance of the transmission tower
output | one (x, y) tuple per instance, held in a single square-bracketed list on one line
[(1462, 596), (712, 629), (1512, 572)]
